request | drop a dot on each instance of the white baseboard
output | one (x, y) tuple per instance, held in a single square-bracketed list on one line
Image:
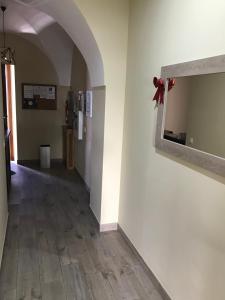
[(108, 227), (104, 227)]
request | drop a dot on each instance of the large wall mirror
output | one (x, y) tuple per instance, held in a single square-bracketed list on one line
[(191, 123)]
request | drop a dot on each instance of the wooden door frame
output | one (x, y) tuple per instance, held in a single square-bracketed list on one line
[(9, 109)]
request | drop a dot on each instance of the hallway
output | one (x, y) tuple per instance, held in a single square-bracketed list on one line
[(53, 250)]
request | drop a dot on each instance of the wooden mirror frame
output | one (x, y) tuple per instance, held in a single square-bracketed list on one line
[(200, 158)]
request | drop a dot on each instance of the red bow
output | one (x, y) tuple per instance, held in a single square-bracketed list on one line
[(159, 84), (159, 95)]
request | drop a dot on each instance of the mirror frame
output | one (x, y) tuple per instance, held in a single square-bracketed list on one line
[(200, 158)]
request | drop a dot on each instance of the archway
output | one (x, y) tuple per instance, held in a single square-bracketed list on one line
[(29, 15), (38, 18), (100, 30)]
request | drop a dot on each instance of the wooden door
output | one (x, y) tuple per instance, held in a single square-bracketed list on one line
[(4, 98)]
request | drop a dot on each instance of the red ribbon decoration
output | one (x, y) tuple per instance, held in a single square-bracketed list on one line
[(159, 84), (159, 95)]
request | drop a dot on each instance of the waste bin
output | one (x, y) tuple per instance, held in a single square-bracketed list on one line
[(45, 151)]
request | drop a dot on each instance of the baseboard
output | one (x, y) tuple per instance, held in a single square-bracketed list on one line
[(108, 227), (154, 279), (37, 161), (23, 162), (104, 227)]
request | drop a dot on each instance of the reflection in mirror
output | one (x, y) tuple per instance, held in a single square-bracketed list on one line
[(195, 113)]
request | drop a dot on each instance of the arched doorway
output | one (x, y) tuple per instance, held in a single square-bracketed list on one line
[(105, 52), (37, 18)]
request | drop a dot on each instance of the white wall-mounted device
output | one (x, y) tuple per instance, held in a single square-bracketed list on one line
[(80, 125), (89, 100)]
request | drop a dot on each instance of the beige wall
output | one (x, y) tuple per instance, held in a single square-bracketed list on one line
[(36, 127), (172, 212), (45, 127), (79, 71), (177, 106), (206, 120), (3, 192)]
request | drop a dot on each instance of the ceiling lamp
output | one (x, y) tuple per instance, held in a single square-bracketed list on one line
[(7, 54)]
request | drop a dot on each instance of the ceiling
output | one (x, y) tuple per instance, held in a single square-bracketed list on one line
[(33, 18), (41, 30), (22, 16)]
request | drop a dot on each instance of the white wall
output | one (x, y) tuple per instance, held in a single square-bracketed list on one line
[(97, 150), (58, 46), (89, 132), (75, 22), (173, 212), (109, 23), (3, 189)]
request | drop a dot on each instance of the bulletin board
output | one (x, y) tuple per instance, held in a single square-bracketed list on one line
[(39, 96)]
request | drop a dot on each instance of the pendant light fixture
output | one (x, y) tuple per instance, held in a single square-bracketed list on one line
[(7, 54)]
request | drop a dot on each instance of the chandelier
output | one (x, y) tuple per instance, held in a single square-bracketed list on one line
[(7, 54)]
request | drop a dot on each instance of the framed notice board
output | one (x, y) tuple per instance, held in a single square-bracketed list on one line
[(39, 96)]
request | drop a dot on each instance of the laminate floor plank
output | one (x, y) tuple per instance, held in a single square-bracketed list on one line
[(76, 282), (53, 248), (100, 287), (50, 268), (9, 270), (28, 287), (53, 291), (8, 295)]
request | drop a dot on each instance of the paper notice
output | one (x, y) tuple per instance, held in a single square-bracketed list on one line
[(50, 93), (43, 92), (36, 90), (28, 92)]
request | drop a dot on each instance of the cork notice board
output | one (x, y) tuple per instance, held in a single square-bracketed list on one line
[(39, 96)]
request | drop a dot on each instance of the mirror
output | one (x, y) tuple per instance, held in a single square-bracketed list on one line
[(195, 113), (191, 122)]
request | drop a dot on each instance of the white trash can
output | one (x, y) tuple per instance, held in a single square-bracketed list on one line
[(45, 155)]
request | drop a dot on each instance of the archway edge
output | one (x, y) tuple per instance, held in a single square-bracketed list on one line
[(105, 22), (73, 22)]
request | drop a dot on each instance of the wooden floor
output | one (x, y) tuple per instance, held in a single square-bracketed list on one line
[(53, 249)]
